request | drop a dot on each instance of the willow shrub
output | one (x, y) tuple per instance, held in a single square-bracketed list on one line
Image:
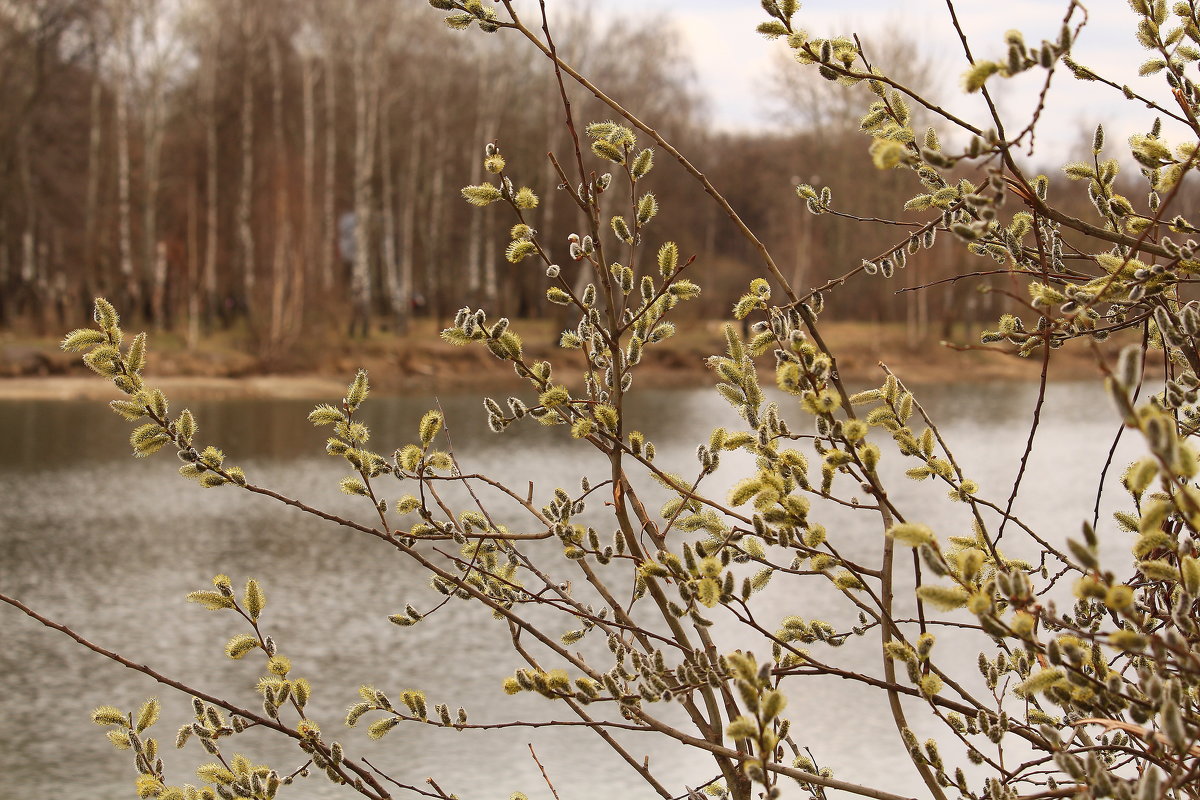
[(1095, 698)]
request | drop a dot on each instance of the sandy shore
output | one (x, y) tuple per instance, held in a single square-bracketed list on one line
[(421, 364), (83, 387), (328, 387)]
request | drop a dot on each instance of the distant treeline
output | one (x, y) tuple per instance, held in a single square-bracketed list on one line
[(276, 163)]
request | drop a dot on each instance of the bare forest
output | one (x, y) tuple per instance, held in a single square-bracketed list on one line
[(274, 165)]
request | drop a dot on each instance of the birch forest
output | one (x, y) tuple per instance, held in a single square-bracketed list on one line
[(278, 164)]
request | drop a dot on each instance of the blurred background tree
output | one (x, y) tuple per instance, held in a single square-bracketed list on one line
[(194, 160)]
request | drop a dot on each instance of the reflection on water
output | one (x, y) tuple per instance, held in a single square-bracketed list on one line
[(110, 544)]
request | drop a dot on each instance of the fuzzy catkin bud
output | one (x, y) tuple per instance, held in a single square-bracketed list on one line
[(643, 163), (621, 229), (481, 195), (647, 208)]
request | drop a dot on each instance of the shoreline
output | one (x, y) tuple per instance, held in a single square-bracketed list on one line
[(316, 386), (422, 364)]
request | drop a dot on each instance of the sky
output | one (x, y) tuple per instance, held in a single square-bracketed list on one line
[(730, 59)]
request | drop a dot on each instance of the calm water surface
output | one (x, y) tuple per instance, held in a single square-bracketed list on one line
[(110, 545)]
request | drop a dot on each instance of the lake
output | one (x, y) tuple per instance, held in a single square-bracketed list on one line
[(109, 545)]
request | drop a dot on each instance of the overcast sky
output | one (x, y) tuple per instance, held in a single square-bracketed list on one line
[(730, 58)]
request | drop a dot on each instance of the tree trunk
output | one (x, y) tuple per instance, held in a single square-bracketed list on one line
[(245, 230), (159, 278), (152, 137), (408, 222), (29, 267), (283, 228), (124, 206), (91, 200), (528, 283), (329, 250), (365, 113), (481, 257), (308, 82), (192, 284), (433, 262), (483, 133), (211, 300), (490, 255), (391, 268)]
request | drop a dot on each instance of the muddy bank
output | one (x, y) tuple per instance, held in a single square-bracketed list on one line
[(421, 363)]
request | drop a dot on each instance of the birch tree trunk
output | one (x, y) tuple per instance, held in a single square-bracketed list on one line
[(366, 105), (159, 278), (528, 283), (91, 200), (483, 133), (308, 84), (329, 250), (435, 216), (68, 294), (492, 96), (245, 231), (152, 128), (408, 220), (301, 249), (29, 240), (193, 280), (211, 189), (124, 205), (490, 256), (283, 228), (391, 267), (43, 287)]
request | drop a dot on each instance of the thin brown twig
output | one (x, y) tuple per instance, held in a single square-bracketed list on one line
[(1043, 258), (545, 777), (1033, 427)]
